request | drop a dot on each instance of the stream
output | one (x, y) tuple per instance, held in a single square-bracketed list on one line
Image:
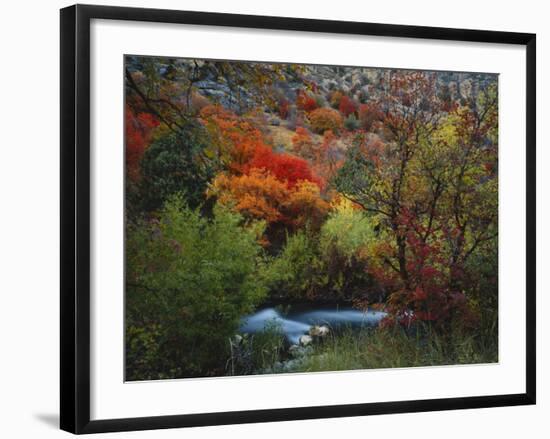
[(300, 318)]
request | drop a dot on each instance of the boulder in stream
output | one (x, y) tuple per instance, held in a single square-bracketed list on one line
[(319, 331), (306, 340)]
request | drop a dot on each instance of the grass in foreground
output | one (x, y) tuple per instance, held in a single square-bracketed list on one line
[(372, 349), (391, 348)]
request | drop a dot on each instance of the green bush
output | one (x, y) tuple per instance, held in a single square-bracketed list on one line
[(329, 265), (320, 100), (350, 230), (189, 280), (296, 273), (343, 243), (176, 163), (351, 123)]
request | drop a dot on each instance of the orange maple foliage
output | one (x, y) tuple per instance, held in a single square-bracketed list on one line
[(241, 146), (260, 183), (305, 205), (234, 138), (259, 195), (287, 168)]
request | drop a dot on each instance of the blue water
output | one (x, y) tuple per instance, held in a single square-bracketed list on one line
[(297, 323)]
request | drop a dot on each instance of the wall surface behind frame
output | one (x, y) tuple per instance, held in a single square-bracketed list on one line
[(29, 252)]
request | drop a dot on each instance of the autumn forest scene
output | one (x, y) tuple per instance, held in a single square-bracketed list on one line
[(289, 218)]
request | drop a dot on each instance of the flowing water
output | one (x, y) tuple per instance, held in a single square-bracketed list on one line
[(299, 319)]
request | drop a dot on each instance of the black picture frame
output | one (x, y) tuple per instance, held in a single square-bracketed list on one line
[(75, 217)]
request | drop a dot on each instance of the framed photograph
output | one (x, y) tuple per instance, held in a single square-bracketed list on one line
[(268, 218)]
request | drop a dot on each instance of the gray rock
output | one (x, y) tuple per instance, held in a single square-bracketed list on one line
[(319, 331), (305, 340), (296, 351)]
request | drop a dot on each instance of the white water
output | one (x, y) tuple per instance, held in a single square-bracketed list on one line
[(295, 324)]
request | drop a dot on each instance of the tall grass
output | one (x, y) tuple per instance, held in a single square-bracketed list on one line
[(393, 347), (367, 348), (258, 352)]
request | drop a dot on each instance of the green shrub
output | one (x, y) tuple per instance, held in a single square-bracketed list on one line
[(320, 100), (296, 272), (343, 248), (351, 123), (330, 264), (349, 229), (189, 280), (176, 163)]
